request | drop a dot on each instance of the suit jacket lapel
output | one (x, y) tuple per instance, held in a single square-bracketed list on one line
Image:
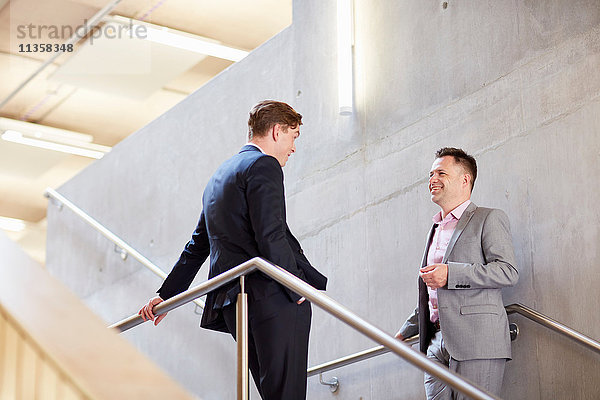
[(462, 222), (429, 239)]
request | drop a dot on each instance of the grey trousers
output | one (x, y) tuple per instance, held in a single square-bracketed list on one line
[(487, 374)]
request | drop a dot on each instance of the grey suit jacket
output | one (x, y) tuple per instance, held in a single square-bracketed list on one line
[(481, 262)]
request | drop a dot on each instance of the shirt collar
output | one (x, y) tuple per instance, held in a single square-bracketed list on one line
[(456, 213), (255, 145)]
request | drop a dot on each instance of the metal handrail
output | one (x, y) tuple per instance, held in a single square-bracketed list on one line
[(356, 357), (51, 193), (554, 325), (516, 308), (249, 266), (327, 304)]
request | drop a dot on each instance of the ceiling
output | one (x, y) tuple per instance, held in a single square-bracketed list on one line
[(99, 110)]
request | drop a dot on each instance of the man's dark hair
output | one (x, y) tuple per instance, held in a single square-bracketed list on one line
[(267, 113), (467, 162)]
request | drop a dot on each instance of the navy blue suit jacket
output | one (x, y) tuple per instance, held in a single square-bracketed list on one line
[(243, 217)]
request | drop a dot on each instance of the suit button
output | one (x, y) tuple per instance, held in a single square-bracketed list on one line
[(300, 251), (468, 286)]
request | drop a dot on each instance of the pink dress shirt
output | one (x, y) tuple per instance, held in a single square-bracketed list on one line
[(439, 244)]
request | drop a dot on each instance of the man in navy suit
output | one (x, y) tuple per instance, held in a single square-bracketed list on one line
[(243, 217)]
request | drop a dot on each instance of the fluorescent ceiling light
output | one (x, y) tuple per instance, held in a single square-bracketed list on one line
[(44, 132), (50, 138), (174, 38), (12, 224), (181, 40), (345, 42), (90, 150)]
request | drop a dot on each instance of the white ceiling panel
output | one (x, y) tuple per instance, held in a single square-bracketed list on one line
[(16, 160), (119, 63)]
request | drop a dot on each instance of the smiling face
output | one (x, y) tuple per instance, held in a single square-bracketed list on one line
[(285, 145), (449, 185)]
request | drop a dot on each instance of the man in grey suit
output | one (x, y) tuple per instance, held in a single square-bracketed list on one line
[(469, 258)]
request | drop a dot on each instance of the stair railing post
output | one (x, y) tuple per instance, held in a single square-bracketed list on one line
[(242, 343)]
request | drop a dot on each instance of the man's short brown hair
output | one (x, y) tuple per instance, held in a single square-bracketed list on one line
[(467, 162), (267, 113)]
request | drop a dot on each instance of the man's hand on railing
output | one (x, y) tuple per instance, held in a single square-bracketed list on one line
[(147, 312)]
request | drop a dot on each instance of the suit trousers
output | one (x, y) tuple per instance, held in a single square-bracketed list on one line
[(486, 374), (278, 331)]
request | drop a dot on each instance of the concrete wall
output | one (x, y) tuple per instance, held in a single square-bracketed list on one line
[(516, 83)]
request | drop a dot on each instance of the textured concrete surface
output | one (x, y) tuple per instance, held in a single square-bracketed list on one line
[(514, 83)]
